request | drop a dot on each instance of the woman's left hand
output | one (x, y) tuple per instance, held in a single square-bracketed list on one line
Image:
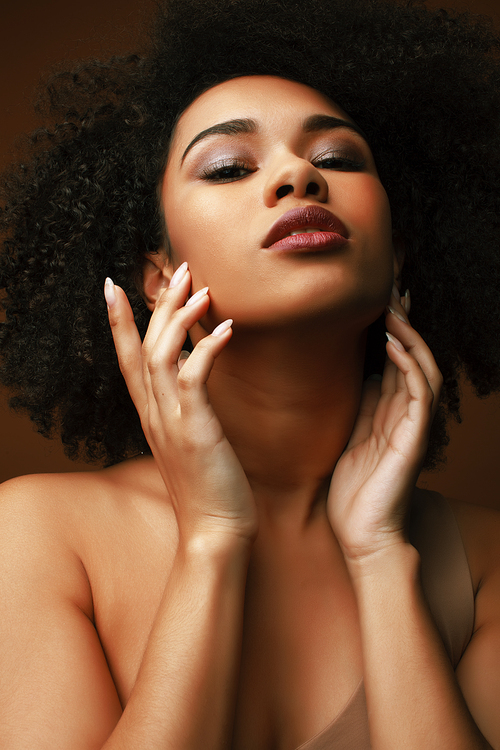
[(373, 480)]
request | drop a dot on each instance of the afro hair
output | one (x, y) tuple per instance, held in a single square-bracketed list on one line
[(82, 204)]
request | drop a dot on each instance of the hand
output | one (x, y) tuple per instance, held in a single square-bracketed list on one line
[(204, 479), (372, 483)]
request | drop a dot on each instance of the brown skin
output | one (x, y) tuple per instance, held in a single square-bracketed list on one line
[(238, 595)]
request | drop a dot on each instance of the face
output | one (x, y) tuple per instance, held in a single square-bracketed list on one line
[(253, 160)]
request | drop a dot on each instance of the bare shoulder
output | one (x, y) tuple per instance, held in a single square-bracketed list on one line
[(36, 539), (70, 545), (74, 512), (480, 530), (478, 672)]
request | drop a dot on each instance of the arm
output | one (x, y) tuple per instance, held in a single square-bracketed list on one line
[(183, 698), (56, 690), (184, 694), (413, 697), (55, 687)]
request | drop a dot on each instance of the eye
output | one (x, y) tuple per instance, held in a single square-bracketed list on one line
[(226, 171), (342, 162)]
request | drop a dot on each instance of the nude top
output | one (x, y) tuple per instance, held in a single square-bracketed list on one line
[(448, 589)]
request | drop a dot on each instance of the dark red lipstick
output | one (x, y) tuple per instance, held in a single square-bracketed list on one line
[(331, 232)]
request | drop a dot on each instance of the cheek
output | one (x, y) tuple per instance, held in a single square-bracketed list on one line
[(370, 215), (196, 225), (371, 211)]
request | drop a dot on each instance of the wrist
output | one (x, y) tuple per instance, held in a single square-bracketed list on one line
[(213, 544), (396, 560)]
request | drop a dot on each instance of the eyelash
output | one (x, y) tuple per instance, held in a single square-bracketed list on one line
[(214, 173), (340, 163)]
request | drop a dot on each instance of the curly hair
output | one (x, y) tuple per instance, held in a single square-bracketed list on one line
[(82, 202)]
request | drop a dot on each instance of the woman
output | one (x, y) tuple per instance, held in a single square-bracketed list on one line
[(260, 571)]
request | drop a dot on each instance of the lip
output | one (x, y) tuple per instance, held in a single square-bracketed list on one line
[(333, 232)]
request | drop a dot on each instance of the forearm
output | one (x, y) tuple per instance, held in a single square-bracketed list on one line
[(413, 699), (183, 698)]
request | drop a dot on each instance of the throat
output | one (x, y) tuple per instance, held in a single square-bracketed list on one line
[(288, 411)]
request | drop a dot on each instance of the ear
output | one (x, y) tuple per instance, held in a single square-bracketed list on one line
[(399, 252), (156, 274)]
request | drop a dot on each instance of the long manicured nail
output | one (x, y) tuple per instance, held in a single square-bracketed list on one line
[(197, 296), (182, 358), (395, 342), (178, 275), (407, 301), (395, 312), (222, 327), (109, 292), (395, 292)]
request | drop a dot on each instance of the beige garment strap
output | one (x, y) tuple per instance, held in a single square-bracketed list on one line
[(445, 574)]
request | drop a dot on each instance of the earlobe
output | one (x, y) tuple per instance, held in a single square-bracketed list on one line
[(156, 275)]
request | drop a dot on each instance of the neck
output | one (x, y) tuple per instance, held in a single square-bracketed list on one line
[(287, 404)]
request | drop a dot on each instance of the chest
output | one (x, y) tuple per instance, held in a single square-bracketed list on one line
[(300, 658)]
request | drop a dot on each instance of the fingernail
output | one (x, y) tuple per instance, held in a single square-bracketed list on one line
[(407, 301), (222, 327), (178, 275), (197, 296), (395, 342), (395, 292), (182, 358), (395, 312), (109, 292)]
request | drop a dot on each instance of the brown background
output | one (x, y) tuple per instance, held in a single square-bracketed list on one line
[(35, 34)]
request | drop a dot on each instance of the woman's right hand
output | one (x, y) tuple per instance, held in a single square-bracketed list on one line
[(208, 488)]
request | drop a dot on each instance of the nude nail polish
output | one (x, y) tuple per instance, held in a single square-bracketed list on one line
[(222, 327), (197, 296), (178, 275), (109, 292)]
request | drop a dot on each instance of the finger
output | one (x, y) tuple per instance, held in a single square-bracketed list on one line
[(161, 361), (182, 358), (127, 342), (169, 301), (389, 378), (370, 397), (414, 345), (406, 302), (192, 379), (413, 381), (400, 305)]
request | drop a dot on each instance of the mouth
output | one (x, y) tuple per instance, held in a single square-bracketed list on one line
[(308, 228)]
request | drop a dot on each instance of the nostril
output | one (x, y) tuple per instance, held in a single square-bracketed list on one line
[(284, 190), (313, 188)]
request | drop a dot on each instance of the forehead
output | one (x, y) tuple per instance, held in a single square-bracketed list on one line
[(263, 98)]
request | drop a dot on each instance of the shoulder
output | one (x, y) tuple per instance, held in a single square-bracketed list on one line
[(40, 537), (480, 531), (479, 670), (92, 495), (49, 636), (69, 515)]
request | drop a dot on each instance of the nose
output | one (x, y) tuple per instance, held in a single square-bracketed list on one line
[(292, 174)]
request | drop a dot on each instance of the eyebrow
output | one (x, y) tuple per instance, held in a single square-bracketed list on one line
[(312, 124), (316, 123), (231, 127)]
